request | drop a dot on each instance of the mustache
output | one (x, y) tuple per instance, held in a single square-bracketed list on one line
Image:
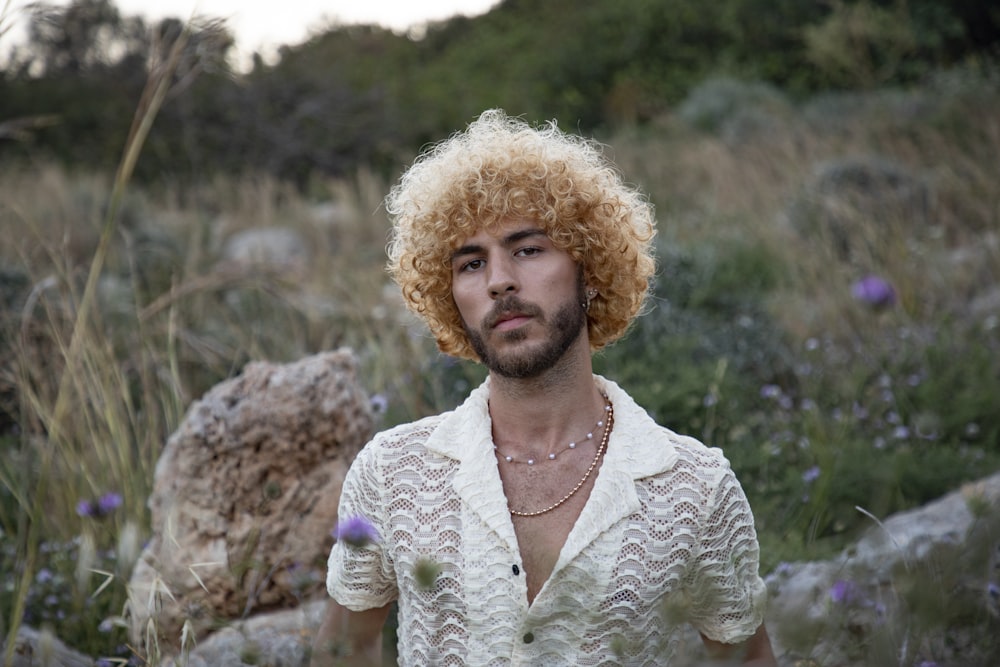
[(510, 304)]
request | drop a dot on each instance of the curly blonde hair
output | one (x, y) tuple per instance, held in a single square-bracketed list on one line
[(500, 168)]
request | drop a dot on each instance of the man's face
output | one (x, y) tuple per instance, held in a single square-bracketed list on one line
[(520, 298)]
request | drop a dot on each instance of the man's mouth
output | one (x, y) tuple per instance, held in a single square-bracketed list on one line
[(510, 314), (509, 321)]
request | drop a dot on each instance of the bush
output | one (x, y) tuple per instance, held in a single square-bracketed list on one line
[(721, 104)]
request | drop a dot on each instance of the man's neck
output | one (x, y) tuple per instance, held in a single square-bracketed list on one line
[(548, 409)]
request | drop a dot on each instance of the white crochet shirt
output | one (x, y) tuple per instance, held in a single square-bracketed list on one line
[(666, 537)]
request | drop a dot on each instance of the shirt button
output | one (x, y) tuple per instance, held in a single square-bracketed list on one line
[(516, 569), (528, 637)]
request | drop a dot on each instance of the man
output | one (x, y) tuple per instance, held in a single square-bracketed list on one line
[(547, 520)]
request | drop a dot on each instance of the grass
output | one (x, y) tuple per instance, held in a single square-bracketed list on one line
[(119, 309)]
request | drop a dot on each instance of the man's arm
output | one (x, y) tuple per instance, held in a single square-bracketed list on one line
[(348, 637), (757, 650)]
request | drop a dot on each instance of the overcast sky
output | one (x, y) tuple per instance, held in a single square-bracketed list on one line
[(264, 25)]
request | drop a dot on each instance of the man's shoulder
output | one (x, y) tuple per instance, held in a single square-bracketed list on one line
[(408, 434), (692, 456), (694, 449)]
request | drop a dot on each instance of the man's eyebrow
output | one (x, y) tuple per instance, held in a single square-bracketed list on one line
[(521, 234), (467, 249), (509, 240)]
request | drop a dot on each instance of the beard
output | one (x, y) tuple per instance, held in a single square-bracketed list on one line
[(566, 325)]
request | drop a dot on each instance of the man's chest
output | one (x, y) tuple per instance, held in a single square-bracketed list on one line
[(545, 510), (463, 525)]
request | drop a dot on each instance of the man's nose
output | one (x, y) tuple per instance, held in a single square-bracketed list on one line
[(501, 278)]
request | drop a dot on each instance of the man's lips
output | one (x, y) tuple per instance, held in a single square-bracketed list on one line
[(509, 321)]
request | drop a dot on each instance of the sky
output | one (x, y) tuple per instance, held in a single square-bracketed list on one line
[(263, 25)]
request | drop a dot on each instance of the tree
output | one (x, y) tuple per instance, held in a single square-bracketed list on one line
[(75, 38)]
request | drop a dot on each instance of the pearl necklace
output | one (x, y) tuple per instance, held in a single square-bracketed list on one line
[(552, 457), (593, 464)]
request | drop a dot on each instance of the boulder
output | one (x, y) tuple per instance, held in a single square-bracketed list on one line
[(278, 247), (244, 498), (277, 639), (921, 587), (39, 647)]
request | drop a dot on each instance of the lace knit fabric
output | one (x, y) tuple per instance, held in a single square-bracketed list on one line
[(666, 538)]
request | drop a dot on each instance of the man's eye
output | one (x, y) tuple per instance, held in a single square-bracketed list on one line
[(528, 252), (471, 265)]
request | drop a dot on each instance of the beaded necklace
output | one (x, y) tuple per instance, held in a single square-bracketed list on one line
[(531, 460), (610, 419)]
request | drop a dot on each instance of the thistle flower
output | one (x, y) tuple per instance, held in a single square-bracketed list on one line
[(109, 502), (874, 291), (101, 507), (843, 592), (356, 532), (379, 404), (85, 508)]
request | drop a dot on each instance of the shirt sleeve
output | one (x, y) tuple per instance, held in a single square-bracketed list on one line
[(361, 578), (727, 594)]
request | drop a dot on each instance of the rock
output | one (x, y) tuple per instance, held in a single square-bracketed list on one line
[(33, 647), (919, 586), (245, 496), (279, 247), (277, 639)]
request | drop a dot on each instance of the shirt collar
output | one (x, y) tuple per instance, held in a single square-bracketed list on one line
[(637, 445)]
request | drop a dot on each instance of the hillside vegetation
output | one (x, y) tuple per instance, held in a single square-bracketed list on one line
[(363, 95)]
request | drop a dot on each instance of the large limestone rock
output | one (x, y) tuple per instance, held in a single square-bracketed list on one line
[(33, 647), (921, 587), (270, 246), (245, 496), (276, 639)]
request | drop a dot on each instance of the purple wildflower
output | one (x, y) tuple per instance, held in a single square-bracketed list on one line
[(101, 507), (356, 532), (874, 291), (811, 475), (770, 391), (109, 502), (85, 508), (379, 404), (843, 592), (880, 613)]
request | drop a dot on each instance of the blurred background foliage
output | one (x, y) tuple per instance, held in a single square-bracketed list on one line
[(362, 94)]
